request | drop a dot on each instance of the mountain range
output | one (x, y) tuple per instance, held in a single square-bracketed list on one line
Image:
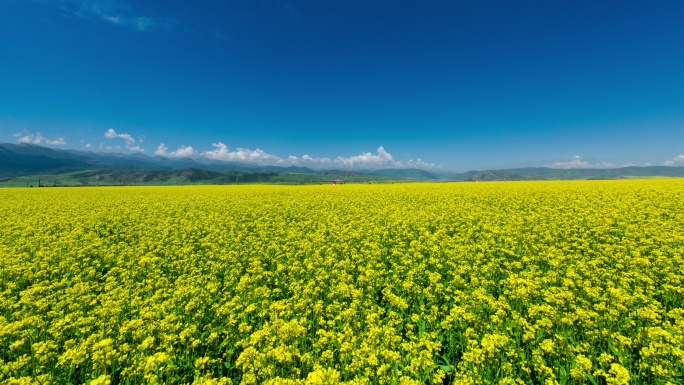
[(26, 164)]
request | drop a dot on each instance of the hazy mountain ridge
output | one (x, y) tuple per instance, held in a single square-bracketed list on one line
[(546, 173), (18, 160), (73, 167)]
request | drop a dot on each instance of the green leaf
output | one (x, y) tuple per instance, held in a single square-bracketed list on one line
[(563, 376), (591, 379), (171, 364)]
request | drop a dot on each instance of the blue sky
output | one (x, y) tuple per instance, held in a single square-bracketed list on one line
[(455, 85)]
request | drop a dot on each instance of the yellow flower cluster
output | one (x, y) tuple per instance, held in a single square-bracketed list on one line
[(460, 283)]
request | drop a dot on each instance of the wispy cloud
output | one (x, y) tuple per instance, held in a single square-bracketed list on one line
[(181, 152), (129, 141), (38, 138), (679, 159), (367, 160), (115, 12), (578, 162)]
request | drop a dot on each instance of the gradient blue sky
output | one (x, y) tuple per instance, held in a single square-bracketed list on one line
[(459, 84)]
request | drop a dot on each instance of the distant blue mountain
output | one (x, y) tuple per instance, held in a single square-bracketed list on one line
[(18, 160)]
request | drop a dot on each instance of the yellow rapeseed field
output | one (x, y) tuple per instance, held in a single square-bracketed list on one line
[(460, 283)]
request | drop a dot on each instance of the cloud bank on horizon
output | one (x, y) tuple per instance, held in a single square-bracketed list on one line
[(39, 139), (367, 160), (116, 141), (223, 153), (578, 162)]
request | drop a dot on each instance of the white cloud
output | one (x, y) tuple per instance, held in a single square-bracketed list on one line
[(578, 162), (88, 145), (679, 159), (383, 159), (367, 160), (630, 164), (419, 163), (243, 155), (142, 23), (129, 142), (38, 138), (115, 12), (181, 152), (111, 134), (646, 164)]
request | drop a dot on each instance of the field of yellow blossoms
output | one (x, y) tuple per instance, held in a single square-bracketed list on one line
[(462, 283)]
